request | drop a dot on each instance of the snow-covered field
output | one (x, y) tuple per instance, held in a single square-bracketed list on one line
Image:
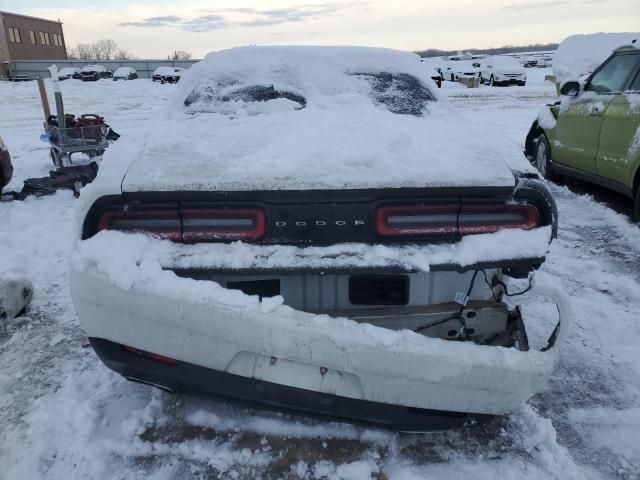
[(64, 415)]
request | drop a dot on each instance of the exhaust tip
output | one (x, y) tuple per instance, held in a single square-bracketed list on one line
[(151, 384)]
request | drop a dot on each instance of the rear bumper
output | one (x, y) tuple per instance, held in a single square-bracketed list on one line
[(230, 333), (192, 379)]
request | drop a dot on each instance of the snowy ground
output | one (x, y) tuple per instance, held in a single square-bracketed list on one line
[(64, 415)]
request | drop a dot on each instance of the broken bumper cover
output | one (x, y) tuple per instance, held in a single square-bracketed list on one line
[(306, 362)]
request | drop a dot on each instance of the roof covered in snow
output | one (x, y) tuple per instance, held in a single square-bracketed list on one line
[(311, 118), (123, 71), (580, 55), (94, 68)]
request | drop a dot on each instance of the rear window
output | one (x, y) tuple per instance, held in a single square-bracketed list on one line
[(400, 93), (226, 99)]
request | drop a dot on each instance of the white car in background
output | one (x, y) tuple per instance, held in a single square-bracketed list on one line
[(68, 72), (502, 70), (125, 73), (453, 70)]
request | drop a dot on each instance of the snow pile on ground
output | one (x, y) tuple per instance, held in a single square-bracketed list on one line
[(337, 118), (580, 55)]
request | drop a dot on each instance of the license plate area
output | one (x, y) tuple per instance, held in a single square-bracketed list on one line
[(379, 289)]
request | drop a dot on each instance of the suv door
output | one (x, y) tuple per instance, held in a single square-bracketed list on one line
[(617, 156), (578, 126)]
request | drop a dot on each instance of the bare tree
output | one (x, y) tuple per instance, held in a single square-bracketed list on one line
[(105, 49), (123, 54), (180, 55), (82, 51)]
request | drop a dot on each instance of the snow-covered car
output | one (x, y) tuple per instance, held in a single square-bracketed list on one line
[(312, 234), (452, 71), (68, 72), (167, 74), (6, 168), (544, 62), (432, 72), (502, 70), (93, 73), (125, 73)]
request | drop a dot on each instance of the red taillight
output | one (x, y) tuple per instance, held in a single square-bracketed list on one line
[(195, 224), (151, 356), (491, 218), (426, 220), (163, 223), (222, 224), (416, 220)]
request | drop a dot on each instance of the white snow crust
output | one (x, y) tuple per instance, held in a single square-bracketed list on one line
[(580, 55), (114, 247), (94, 68)]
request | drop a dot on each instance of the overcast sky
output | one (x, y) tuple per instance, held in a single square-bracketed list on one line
[(154, 28)]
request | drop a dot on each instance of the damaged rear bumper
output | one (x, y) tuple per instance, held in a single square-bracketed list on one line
[(283, 357)]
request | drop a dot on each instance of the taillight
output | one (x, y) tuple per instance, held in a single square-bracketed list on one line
[(193, 224), (489, 218), (162, 223), (465, 219), (417, 220), (222, 224)]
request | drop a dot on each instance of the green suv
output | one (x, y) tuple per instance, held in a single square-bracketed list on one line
[(593, 134)]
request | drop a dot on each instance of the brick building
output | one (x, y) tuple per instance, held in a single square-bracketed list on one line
[(29, 38)]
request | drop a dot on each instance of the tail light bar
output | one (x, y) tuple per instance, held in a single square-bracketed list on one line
[(491, 218), (417, 220), (222, 224), (161, 223), (453, 219), (194, 224)]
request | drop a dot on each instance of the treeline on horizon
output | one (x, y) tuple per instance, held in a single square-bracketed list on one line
[(537, 47)]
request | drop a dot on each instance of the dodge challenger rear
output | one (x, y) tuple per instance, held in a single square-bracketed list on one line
[(303, 229)]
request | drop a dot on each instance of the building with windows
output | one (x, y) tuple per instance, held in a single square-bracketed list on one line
[(29, 38)]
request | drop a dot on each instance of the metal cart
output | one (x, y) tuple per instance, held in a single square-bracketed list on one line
[(90, 140)]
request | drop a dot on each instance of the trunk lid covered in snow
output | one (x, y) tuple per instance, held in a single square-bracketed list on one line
[(297, 118)]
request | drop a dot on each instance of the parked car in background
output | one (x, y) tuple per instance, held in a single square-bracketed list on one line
[(68, 72), (453, 70), (167, 74), (593, 134), (502, 70), (93, 73), (125, 73), (544, 62), (432, 72), (307, 230), (6, 168)]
